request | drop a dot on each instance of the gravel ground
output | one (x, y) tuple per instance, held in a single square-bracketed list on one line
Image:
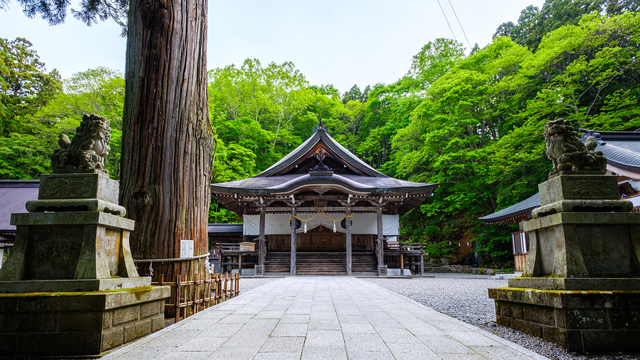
[(248, 284), (465, 297)]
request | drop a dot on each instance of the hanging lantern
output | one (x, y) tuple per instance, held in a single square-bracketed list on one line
[(305, 227), (334, 226)]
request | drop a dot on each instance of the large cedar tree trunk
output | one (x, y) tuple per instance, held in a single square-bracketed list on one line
[(167, 139)]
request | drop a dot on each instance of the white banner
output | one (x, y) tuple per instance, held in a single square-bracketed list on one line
[(277, 224)]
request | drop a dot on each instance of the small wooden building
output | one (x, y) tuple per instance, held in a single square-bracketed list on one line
[(321, 210)]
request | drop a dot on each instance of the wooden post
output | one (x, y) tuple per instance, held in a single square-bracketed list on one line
[(348, 241), (421, 262), (239, 263), (292, 270), (380, 237), (401, 263), (261, 237)]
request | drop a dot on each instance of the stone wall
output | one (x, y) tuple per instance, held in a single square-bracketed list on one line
[(48, 323)]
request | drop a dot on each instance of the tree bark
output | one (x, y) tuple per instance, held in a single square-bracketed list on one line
[(167, 139)]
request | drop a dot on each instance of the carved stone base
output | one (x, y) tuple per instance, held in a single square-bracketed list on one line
[(70, 245), (382, 270), (584, 245), (585, 321), (259, 270)]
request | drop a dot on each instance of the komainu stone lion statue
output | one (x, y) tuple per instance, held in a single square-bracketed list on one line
[(567, 151), (88, 148)]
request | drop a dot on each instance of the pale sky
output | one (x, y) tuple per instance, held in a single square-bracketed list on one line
[(340, 42)]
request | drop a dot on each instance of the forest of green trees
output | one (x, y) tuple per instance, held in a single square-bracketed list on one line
[(472, 123)]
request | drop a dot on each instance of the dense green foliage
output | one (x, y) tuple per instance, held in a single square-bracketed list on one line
[(472, 123)]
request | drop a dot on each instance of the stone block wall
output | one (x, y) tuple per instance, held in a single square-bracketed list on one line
[(581, 321), (74, 324)]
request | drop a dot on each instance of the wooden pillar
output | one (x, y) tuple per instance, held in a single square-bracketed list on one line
[(401, 263), (380, 238), (422, 263), (261, 238), (292, 270), (348, 241)]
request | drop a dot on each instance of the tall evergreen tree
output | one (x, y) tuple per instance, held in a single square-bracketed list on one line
[(167, 137)]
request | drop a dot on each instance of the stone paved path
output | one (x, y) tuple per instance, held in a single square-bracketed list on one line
[(314, 317)]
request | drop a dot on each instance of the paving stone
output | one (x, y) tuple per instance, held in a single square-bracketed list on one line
[(290, 330), (287, 344), (370, 355), (500, 353), (220, 330), (412, 351), (364, 342), (324, 338), (211, 315), (271, 314), (146, 353), (233, 353), (173, 338), (398, 336), (472, 356), (277, 356), (180, 355), (202, 344), (444, 345), (473, 338), (195, 324), (323, 352), (235, 319), (357, 329), (294, 319)]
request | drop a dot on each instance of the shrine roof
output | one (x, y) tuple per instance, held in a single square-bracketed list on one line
[(622, 148), (320, 134), (289, 183), (514, 213)]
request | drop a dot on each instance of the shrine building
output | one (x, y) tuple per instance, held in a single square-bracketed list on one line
[(320, 210)]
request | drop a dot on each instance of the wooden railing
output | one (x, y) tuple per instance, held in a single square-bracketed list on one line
[(217, 288)]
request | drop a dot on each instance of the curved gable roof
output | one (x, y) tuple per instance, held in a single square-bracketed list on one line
[(320, 135)]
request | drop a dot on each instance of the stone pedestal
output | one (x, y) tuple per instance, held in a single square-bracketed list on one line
[(69, 287), (580, 321), (78, 324), (581, 284)]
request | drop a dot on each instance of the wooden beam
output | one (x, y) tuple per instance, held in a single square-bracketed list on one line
[(272, 209)]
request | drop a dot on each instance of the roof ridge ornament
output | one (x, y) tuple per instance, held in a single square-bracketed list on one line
[(320, 126)]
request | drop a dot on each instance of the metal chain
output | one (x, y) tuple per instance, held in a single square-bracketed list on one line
[(171, 259)]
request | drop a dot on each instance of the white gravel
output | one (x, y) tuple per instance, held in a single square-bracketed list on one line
[(465, 297)]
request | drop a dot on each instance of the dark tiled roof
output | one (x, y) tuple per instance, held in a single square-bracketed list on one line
[(225, 229), (520, 209), (14, 194), (320, 134), (286, 183), (622, 148)]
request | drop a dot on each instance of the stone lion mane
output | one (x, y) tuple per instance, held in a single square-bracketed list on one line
[(88, 148), (567, 151)]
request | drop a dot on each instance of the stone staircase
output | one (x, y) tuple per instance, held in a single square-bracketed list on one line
[(320, 263)]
